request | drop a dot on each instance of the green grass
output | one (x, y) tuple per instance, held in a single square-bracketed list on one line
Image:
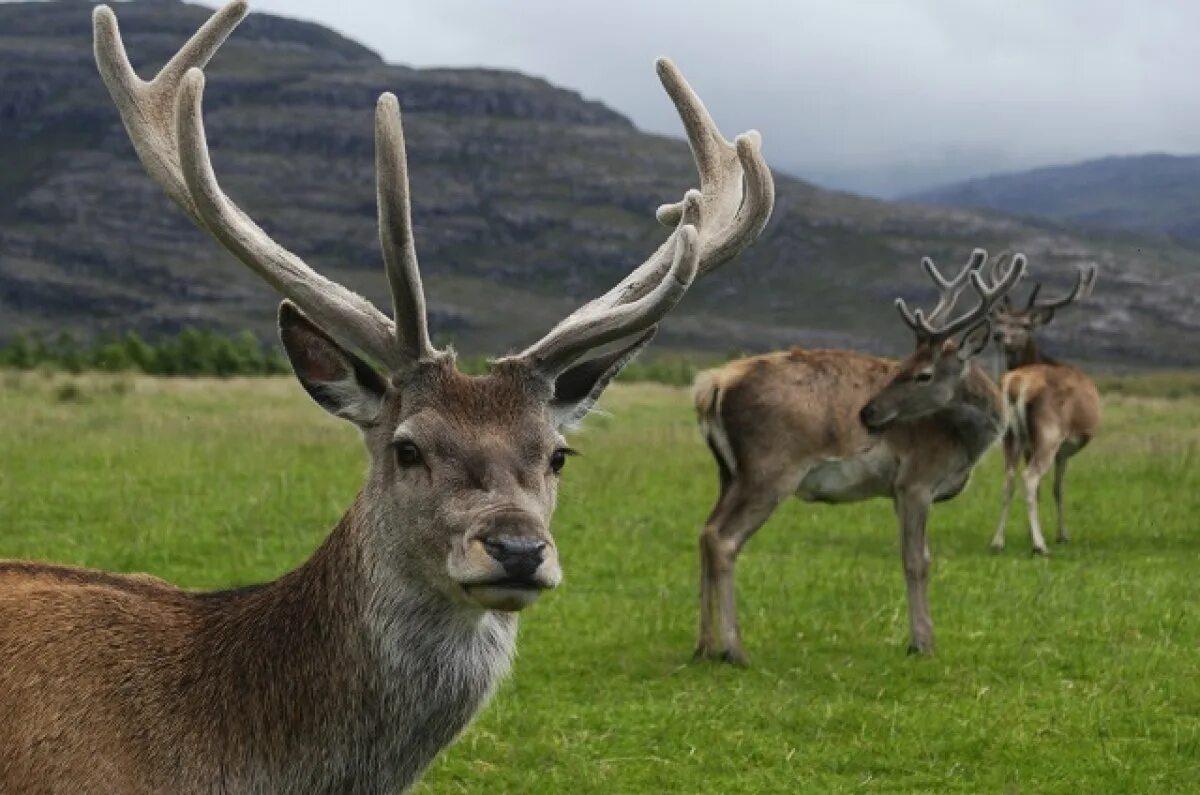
[(1076, 673)]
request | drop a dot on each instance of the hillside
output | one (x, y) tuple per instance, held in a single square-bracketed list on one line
[(527, 199), (1153, 194)]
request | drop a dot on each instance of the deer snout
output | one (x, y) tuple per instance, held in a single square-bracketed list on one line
[(519, 555)]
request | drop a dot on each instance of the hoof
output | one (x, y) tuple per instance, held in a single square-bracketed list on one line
[(996, 548), (1063, 539), (921, 651), (735, 657), (1040, 552)]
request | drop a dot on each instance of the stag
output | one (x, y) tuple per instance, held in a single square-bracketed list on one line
[(351, 672), (837, 426), (1053, 407)]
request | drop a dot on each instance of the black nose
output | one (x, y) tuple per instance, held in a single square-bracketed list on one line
[(520, 556), (866, 414)]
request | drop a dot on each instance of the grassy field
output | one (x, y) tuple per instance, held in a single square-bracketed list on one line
[(1080, 672)]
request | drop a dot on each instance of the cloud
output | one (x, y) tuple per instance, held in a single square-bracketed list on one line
[(874, 96)]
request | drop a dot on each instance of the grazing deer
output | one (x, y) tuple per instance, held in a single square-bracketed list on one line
[(837, 426), (1053, 408), (350, 673)]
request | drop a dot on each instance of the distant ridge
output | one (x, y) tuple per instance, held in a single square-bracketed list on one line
[(1154, 194)]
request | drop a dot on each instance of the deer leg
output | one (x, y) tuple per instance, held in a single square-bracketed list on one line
[(748, 512), (1035, 470), (706, 640), (912, 510), (1060, 474), (1012, 453)]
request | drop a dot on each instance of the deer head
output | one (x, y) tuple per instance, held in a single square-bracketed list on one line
[(463, 469), (1015, 327), (928, 380)]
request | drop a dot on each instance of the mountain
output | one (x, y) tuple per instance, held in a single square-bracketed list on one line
[(528, 199), (1151, 194)]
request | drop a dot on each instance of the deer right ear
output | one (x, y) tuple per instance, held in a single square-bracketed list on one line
[(339, 381)]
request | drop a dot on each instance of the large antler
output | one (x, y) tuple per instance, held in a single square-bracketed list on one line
[(712, 225), (1085, 282), (164, 122), (989, 294), (950, 289)]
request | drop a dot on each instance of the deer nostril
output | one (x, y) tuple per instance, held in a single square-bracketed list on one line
[(520, 556)]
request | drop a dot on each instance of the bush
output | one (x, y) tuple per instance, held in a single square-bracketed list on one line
[(193, 352)]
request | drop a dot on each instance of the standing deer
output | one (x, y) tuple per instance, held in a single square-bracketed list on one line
[(838, 426), (350, 673), (1053, 408)]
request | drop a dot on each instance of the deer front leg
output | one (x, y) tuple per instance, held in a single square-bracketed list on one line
[(912, 511)]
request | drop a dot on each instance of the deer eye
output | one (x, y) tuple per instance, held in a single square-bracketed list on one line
[(924, 376), (407, 453), (558, 459)]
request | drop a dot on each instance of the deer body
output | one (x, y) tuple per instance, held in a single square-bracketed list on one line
[(838, 426), (1053, 408), (323, 681), (350, 673)]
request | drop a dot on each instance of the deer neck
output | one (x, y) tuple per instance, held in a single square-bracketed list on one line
[(977, 413), (344, 671), (1027, 354)]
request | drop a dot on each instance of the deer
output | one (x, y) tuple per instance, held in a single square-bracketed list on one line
[(1053, 407), (351, 672), (838, 426)]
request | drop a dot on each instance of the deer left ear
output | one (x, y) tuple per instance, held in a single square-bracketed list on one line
[(578, 388), (975, 340)]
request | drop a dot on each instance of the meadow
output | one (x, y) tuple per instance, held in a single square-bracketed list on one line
[(1079, 672)]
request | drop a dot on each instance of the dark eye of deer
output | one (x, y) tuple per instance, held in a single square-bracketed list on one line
[(407, 454), (558, 459), (924, 376)]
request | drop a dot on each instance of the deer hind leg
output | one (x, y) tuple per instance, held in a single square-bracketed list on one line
[(1060, 474), (1039, 464), (748, 508), (1012, 455)]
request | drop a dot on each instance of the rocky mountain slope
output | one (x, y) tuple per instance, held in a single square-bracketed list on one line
[(527, 199)]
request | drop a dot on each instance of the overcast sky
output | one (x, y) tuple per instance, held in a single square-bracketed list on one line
[(879, 97)]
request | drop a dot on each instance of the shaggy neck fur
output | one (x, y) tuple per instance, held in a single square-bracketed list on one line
[(977, 413), (338, 678)]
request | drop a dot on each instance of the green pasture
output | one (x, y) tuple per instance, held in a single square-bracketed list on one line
[(1076, 673)]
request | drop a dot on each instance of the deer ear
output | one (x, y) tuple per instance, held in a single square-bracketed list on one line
[(339, 381), (1041, 316), (975, 340), (578, 388)]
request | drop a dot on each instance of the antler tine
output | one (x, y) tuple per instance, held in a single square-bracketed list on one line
[(728, 212), (949, 290), (580, 333), (164, 122), (396, 233), (1085, 281), (926, 329), (988, 296)]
